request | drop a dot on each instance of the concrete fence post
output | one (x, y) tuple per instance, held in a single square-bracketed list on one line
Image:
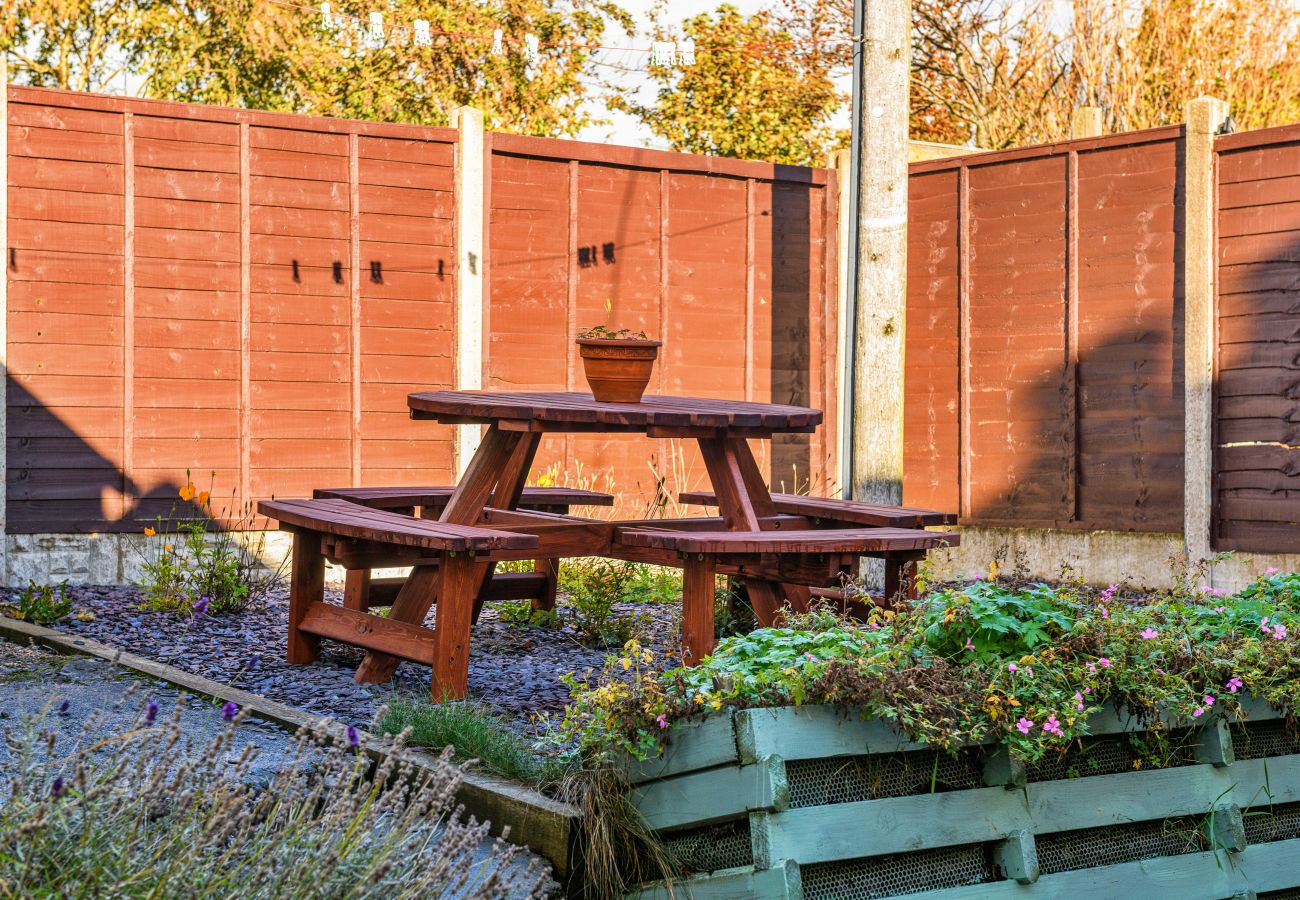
[(1205, 116), (1085, 122), (470, 219), (4, 319)]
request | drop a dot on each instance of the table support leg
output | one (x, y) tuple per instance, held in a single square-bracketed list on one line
[(550, 570), (413, 600), (460, 578), (306, 586), (356, 590), (698, 581)]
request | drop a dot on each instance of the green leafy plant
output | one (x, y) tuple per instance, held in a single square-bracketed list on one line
[(520, 614), (1023, 664), (40, 604), (191, 564), (603, 333), (144, 812)]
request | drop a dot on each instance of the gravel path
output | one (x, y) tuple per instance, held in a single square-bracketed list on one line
[(516, 670)]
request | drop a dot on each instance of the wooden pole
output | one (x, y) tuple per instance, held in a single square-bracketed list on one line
[(1085, 122), (4, 313), (841, 161), (470, 297), (1205, 116), (880, 302)]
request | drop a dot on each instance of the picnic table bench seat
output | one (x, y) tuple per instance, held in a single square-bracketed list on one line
[(853, 512), (701, 551), (345, 519)]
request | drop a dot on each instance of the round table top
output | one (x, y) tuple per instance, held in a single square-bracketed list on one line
[(571, 411)]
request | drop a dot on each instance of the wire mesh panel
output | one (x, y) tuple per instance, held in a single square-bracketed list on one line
[(1287, 894), (710, 849), (1265, 824), (848, 779), (1066, 851), (1113, 754), (901, 873), (1272, 738)]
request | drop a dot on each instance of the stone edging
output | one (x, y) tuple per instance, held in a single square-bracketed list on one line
[(545, 826)]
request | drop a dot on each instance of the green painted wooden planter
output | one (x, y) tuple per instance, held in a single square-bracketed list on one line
[(806, 802)]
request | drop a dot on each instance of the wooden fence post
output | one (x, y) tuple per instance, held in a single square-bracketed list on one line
[(470, 217), (4, 317), (1085, 122), (1205, 116), (841, 161)]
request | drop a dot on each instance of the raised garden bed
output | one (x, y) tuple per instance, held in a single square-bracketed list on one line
[(818, 803)]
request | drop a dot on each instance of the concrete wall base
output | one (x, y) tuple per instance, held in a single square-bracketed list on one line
[(1099, 557)]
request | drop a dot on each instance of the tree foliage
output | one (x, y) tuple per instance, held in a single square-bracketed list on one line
[(266, 55), (752, 93)]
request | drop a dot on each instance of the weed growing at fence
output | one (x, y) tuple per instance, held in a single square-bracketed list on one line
[(144, 813), (475, 732), (193, 565), (1024, 664), (42, 604)]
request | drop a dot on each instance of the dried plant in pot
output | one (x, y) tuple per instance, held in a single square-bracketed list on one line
[(617, 363)]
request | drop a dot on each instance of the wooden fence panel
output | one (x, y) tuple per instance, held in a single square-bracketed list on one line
[(726, 261), (247, 296), (1257, 376), (1044, 358)]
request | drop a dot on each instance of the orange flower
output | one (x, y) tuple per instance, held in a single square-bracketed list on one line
[(167, 547), (149, 532), (204, 497), (187, 492)]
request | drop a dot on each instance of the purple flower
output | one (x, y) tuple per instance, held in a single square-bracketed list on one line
[(200, 608), (1271, 570), (1209, 699), (1198, 712), (1149, 634), (56, 789), (1220, 609), (1012, 667), (661, 721), (1024, 725), (151, 711), (1104, 663), (354, 737), (1052, 726), (1234, 684), (230, 710), (1105, 613), (1078, 701)]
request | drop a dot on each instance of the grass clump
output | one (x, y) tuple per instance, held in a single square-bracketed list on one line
[(475, 732), (145, 812)]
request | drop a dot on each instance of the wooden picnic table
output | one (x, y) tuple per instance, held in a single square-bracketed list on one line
[(482, 524)]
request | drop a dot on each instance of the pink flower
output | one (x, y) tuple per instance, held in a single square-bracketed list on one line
[(1052, 726), (1104, 663), (1078, 701), (875, 624), (662, 722), (1024, 725), (1234, 684), (1271, 570), (1220, 609), (1198, 712), (1263, 624), (1149, 633), (1012, 667), (1092, 667), (1209, 699), (1279, 632), (970, 646), (1105, 613), (1029, 670)]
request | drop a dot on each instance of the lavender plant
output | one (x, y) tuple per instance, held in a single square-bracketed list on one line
[(144, 812)]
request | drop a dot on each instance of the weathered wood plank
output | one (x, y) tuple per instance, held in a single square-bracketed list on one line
[(781, 883), (714, 795), (693, 745)]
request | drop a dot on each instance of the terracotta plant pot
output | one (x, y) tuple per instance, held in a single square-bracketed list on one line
[(618, 370)]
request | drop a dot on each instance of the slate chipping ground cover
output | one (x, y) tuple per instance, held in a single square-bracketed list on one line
[(516, 670), (62, 694)]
